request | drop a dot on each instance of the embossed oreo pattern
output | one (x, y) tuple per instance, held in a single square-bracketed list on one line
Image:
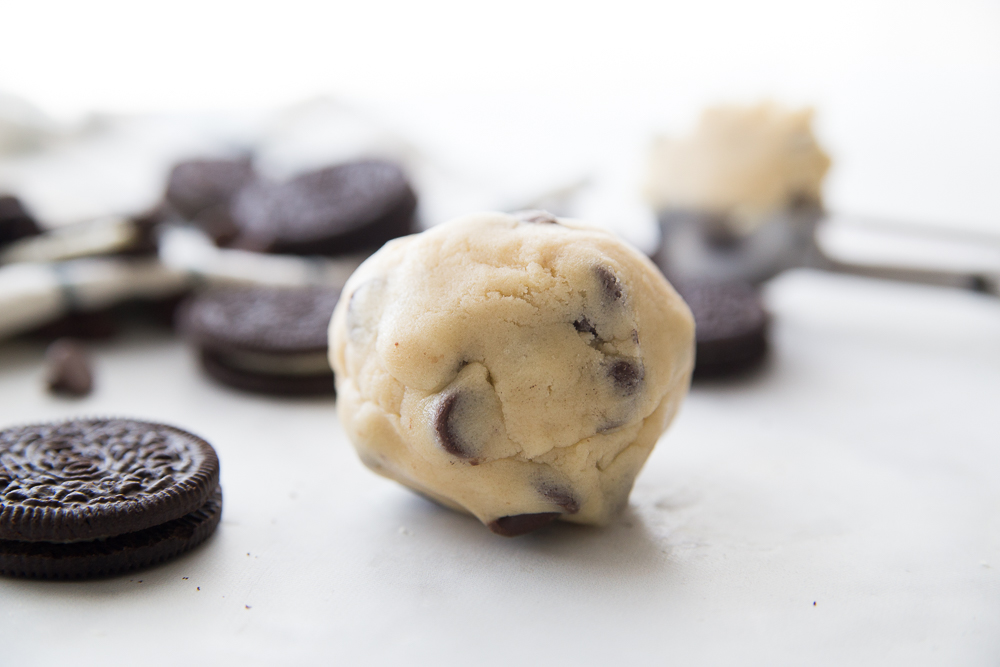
[(88, 479), (265, 319)]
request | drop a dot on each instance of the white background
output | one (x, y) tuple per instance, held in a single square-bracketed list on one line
[(857, 471), (907, 92)]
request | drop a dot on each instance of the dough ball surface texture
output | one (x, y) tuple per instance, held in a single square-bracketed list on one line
[(518, 368)]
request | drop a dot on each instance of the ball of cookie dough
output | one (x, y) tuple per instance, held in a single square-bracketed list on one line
[(520, 368)]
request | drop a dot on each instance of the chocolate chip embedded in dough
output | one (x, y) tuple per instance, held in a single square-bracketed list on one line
[(609, 283), (560, 497), (536, 216), (447, 431), (627, 375), (583, 325), (68, 368), (519, 524)]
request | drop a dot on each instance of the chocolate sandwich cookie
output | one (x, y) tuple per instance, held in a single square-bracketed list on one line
[(93, 497), (201, 191), (270, 340), (353, 207), (15, 221), (730, 327)]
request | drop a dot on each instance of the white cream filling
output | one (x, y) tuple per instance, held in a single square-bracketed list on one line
[(311, 363)]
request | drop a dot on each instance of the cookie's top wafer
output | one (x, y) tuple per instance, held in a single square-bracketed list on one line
[(196, 185), (261, 319), (93, 478), (342, 209)]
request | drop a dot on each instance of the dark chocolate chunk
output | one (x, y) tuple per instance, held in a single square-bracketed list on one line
[(89, 479), (536, 216), (730, 327), (627, 375), (560, 497), (352, 207), (263, 339), (97, 558), (15, 221), (67, 368), (519, 524), (447, 431), (609, 283)]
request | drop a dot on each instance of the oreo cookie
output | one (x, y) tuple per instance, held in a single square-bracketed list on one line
[(349, 208), (94, 497), (270, 340), (201, 191), (731, 327), (15, 221)]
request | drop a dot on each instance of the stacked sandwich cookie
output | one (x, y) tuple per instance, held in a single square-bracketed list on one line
[(94, 497), (270, 340)]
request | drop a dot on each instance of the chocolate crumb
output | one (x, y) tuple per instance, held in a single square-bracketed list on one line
[(68, 368)]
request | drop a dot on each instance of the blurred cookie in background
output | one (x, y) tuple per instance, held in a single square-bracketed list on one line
[(731, 327), (15, 221), (348, 208), (270, 340), (201, 191)]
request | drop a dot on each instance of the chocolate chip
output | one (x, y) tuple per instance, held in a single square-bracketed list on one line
[(560, 497), (627, 375), (519, 524), (609, 283), (446, 429), (68, 368), (536, 216), (583, 325)]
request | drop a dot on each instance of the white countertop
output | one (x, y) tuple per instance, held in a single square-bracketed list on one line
[(840, 507)]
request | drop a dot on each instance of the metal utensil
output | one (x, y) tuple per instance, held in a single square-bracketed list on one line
[(696, 246)]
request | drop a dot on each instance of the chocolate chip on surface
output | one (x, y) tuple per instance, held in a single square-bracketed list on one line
[(67, 368)]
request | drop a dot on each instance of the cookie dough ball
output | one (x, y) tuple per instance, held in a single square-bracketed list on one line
[(741, 163), (519, 368)]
